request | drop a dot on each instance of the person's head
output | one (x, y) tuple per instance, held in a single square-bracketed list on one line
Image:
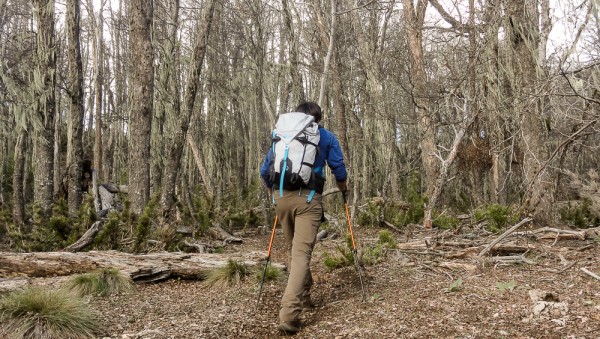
[(310, 108)]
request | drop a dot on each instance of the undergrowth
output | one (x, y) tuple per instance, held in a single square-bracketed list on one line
[(229, 275), (41, 313), (497, 216), (103, 282), (580, 215)]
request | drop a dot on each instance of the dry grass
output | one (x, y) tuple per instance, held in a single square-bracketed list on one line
[(38, 313), (229, 275), (104, 282)]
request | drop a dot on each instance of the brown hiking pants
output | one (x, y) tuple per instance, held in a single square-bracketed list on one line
[(300, 221)]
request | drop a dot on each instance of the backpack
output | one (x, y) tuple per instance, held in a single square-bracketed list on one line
[(295, 143)]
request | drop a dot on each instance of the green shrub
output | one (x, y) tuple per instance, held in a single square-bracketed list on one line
[(369, 217), (108, 237), (401, 215), (103, 282), (496, 215), (386, 239), (445, 222), (272, 273), (143, 225), (373, 254), (336, 261), (205, 214), (580, 215), (40, 313)]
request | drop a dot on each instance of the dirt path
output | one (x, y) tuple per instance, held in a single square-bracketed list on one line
[(407, 297)]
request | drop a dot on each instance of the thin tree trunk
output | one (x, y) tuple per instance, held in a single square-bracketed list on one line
[(45, 108), (3, 166), (330, 50), (192, 85), (76, 110), (18, 178), (414, 18), (142, 94), (57, 151), (296, 77), (98, 81)]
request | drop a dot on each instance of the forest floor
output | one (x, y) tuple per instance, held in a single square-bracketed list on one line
[(409, 294)]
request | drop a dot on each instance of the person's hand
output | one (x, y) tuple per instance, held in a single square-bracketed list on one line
[(342, 185)]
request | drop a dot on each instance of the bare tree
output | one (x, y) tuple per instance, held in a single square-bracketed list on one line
[(76, 110), (192, 86), (44, 87), (414, 17), (142, 94), (296, 77)]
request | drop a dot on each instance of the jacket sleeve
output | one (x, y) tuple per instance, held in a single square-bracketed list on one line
[(335, 159), (264, 170)]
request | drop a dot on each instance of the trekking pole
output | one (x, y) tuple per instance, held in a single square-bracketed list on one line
[(267, 262), (354, 250)]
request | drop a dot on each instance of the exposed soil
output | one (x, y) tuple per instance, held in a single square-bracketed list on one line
[(407, 296)]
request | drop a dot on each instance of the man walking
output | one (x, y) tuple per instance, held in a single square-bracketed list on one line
[(299, 210)]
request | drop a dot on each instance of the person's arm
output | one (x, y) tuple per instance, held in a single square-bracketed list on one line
[(335, 160), (264, 170)]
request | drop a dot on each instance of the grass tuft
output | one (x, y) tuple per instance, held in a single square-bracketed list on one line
[(229, 275), (41, 313), (272, 273), (104, 282)]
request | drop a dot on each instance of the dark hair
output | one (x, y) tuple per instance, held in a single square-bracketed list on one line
[(310, 108)]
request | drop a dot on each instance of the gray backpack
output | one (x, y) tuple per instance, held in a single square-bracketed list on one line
[(295, 146)]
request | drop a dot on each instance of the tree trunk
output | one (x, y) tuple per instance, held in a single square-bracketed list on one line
[(76, 110), (4, 156), (142, 94), (524, 38), (45, 106), (98, 42), (297, 94), (18, 176), (414, 29), (57, 180), (140, 267), (192, 85), (330, 51)]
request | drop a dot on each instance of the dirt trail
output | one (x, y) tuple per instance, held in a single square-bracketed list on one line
[(407, 297)]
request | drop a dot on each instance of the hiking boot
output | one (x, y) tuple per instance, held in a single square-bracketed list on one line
[(290, 327)]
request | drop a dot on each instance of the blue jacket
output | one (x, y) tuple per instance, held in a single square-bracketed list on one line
[(329, 151)]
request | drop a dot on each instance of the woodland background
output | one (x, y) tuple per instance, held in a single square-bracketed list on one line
[(442, 108)]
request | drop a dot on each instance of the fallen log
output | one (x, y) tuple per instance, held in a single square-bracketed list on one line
[(500, 249), (504, 235), (219, 233), (140, 267), (512, 259), (87, 238), (555, 233)]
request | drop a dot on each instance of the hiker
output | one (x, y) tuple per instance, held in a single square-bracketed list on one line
[(299, 208)]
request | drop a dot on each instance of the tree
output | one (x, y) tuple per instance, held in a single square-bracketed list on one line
[(44, 89), (76, 110), (414, 17), (142, 95), (192, 86)]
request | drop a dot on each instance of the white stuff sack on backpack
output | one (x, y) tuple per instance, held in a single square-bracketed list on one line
[(295, 142)]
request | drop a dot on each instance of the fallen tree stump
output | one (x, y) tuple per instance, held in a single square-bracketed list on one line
[(217, 232), (140, 267), (87, 238)]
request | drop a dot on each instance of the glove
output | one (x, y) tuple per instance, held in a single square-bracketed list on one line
[(342, 185)]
